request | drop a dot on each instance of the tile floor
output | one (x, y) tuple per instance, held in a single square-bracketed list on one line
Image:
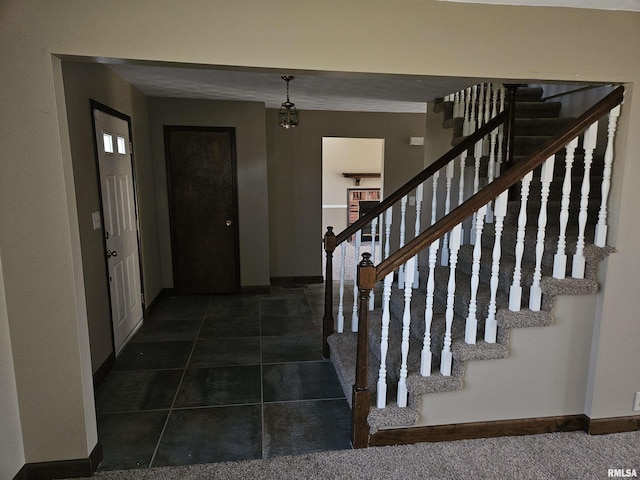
[(222, 378)]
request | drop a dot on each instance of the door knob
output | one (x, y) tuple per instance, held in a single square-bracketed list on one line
[(228, 223), (111, 253)]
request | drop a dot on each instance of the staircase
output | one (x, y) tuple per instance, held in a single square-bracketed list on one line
[(472, 283)]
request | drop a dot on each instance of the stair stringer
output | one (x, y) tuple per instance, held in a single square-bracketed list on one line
[(393, 417)]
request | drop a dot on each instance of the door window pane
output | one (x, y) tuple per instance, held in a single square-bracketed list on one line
[(122, 146), (107, 140)]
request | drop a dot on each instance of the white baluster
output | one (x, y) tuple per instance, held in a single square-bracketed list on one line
[(472, 318), (515, 292), (500, 210), (374, 227), (403, 216), (546, 176), (456, 105), (354, 314), (560, 258), (426, 356), (601, 227), (384, 342), (472, 114), (406, 324), (589, 143), (499, 157), (491, 169), (419, 195), (388, 220), (481, 106), (340, 320), (446, 358), (463, 161), (467, 105), (434, 197), (477, 155), (487, 103), (447, 207)]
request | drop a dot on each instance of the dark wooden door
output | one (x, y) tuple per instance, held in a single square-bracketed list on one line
[(201, 171)]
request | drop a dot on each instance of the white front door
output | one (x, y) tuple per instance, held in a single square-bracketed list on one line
[(120, 224)]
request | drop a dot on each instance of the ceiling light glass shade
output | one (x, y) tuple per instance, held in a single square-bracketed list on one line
[(288, 115)]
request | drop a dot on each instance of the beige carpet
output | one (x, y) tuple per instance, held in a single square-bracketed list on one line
[(565, 456)]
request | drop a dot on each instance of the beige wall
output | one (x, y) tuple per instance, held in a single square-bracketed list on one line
[(248, 120), (295, 177), (44, 292), (11, 446), (545, 375), (84, 82)]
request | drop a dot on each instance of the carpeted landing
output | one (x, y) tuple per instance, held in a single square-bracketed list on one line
[(573, 455)]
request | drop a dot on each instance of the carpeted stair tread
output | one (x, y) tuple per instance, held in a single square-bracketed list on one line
[(524, 318), (540, 126), (481, 350), (392, 416), (343, 356), (534, 109)]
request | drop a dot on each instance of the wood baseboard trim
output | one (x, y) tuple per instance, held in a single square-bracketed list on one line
[(283, 281), (463, 431), (251, 289), (603, 426), (82, 467), (102, 371)]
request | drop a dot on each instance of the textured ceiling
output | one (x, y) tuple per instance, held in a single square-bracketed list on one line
[(309, 91), (319, 91)]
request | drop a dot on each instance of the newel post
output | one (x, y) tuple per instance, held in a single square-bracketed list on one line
[(361, 400), (327, 320)]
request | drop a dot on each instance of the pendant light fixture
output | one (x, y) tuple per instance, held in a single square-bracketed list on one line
[(288, 114)]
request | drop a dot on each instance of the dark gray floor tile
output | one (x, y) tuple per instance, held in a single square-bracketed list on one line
[(226, 351), (206, 435), (296, 428), (154, 356), (220, 386), (289, 306), (291, 348), (230, 326), (287, 325), (129, 439), (159, 331), (300, 381), (137, 390), (188, 307), (239, 306)]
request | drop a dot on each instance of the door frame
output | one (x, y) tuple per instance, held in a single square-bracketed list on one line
[(234, 192), (95, 105)]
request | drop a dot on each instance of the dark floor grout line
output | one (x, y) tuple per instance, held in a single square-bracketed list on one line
[(145, 370), (166, 422), (225, 405), (123, 412), (320, 360), (272, 402)]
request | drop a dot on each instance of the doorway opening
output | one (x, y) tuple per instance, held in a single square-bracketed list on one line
[(352, 183), (118, 219)]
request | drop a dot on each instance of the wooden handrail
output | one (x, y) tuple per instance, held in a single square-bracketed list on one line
[(421, 177), (499, 185)]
